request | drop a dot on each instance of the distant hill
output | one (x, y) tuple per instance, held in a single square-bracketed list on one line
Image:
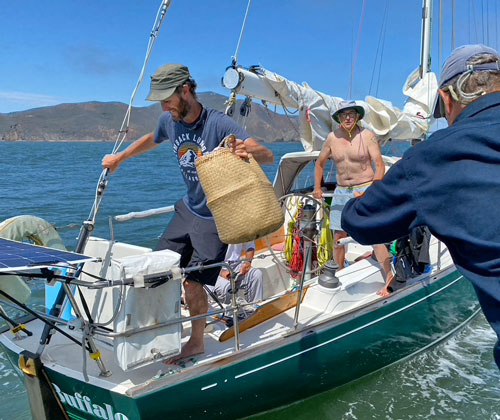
[(101, 121)]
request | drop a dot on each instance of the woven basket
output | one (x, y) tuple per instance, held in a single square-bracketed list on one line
[(240, 197)]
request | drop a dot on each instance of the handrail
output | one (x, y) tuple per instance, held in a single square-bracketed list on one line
[(129, 333), (144, 281), (143, 214)]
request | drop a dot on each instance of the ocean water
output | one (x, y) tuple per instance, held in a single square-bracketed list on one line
[(456, 379)]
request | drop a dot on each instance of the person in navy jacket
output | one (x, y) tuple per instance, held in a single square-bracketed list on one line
[(450, 182)]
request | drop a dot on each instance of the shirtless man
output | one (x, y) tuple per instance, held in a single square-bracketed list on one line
[(353, 149)]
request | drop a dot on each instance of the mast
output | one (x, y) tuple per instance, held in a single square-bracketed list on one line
[(425, 47)]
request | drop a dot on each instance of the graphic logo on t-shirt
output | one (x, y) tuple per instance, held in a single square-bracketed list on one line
[(188, 155), (188, 149)]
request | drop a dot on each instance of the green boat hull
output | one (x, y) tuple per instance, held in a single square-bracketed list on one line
[(324, 357)]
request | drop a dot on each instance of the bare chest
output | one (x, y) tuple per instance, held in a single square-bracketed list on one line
[(351, 151)]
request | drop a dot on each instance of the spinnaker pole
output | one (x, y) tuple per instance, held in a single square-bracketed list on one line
[(89, 224)]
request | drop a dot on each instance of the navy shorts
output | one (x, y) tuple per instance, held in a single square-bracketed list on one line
[(197, 240)]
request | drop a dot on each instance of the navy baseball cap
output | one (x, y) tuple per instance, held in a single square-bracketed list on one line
[(456, 64)]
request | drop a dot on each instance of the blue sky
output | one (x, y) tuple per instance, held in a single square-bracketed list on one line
[(66, 51)]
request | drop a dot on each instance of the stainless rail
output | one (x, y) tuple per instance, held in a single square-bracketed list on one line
[(143, 214)]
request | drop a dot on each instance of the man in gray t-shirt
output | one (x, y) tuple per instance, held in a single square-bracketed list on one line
[(192, 131)]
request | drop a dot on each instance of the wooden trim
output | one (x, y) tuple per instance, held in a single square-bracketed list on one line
[(265, 312)]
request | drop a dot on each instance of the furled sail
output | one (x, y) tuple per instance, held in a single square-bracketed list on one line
[(316, 108)]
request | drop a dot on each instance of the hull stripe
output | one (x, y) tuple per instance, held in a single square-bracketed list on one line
[(352, 331), (75, 417), (209, 386)]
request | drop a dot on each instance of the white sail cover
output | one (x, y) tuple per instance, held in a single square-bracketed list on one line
[(316, 108)]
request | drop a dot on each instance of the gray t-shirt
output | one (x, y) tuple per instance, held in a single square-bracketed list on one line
[(190, 141)]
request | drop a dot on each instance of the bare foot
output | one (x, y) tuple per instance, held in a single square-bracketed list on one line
[(188, 350), (383, 292)]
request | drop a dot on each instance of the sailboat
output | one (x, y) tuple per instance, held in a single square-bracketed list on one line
[(117, 311)]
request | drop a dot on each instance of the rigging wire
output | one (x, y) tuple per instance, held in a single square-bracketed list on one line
[(496, 25), (440, 37), (469, 22), (382, 34), (473, 7), (453, 25), (482, 20), (122, 134), (235, 57), (353, 67), (380, 63), (152, 39), (487, 24)]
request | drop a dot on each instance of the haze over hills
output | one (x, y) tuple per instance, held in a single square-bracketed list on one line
[(101, 121)]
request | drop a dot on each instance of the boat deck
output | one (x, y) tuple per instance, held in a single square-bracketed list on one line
[(359, 284), (319, 304)]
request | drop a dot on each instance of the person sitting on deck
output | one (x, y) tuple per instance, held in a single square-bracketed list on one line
[(248, 279), (353, 149)]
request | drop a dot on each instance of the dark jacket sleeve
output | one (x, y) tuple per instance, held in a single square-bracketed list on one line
[(385, 212)]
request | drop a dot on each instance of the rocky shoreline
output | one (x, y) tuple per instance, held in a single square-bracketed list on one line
[(101, 122)]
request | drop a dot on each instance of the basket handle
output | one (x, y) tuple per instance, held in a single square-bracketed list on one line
[(225, 144), (225, 141)]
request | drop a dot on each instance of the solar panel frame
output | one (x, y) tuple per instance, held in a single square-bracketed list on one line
[(21, 256)]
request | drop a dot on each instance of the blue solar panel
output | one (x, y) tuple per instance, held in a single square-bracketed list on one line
[(15, 256)]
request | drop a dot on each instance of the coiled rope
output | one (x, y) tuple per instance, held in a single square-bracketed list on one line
[(293, 226), (325, 247)]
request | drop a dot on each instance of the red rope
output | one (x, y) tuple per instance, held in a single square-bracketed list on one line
[(297, 263)]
